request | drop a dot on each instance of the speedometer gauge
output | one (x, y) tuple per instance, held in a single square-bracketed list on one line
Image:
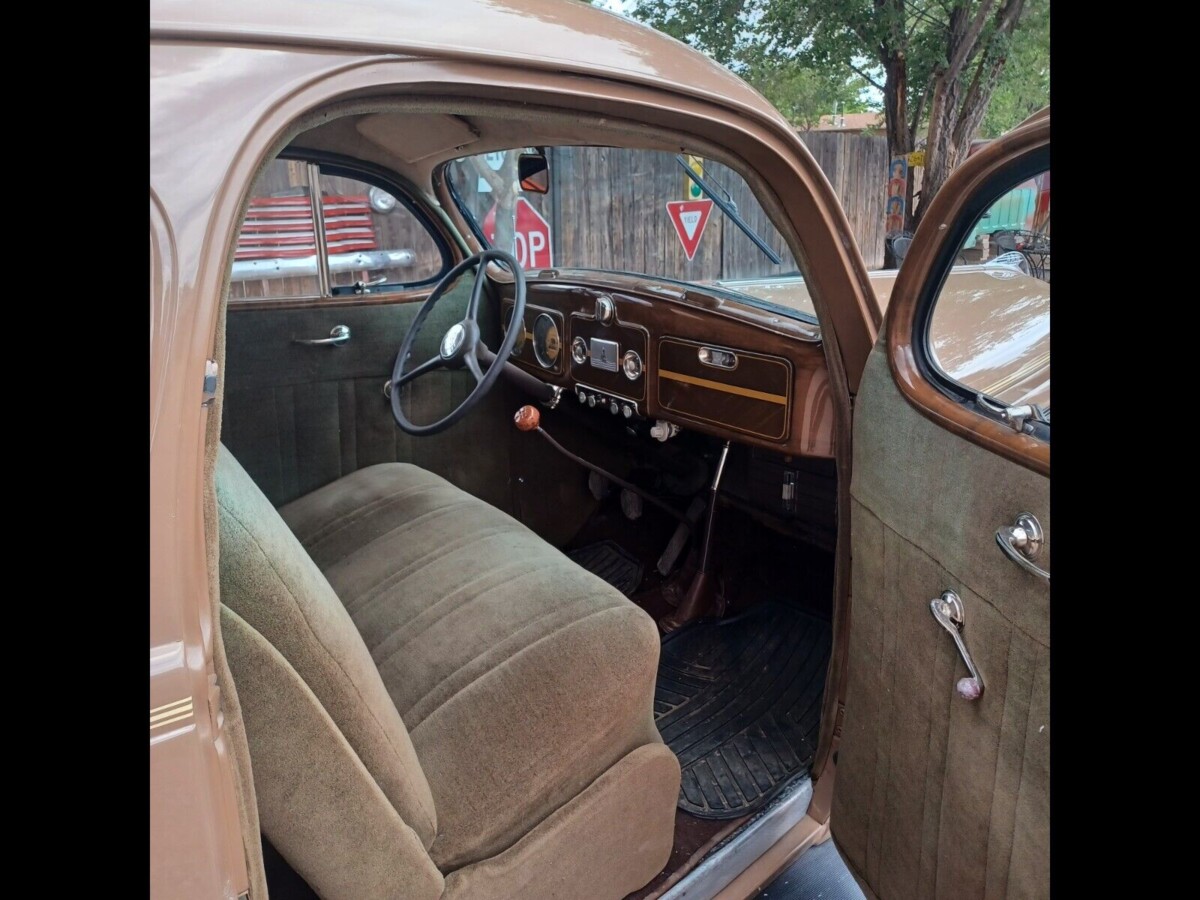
[(547, 343), (519, 344)]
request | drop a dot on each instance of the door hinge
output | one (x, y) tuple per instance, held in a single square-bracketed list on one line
[(210, 383)]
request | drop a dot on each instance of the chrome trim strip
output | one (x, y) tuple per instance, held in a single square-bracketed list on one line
[(728, 860), (318, 216)]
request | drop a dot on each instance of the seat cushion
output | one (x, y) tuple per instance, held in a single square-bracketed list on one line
[(521, 677), (268, 580)]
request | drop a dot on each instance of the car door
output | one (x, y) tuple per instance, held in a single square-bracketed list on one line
[(310, 347), (943, 762)]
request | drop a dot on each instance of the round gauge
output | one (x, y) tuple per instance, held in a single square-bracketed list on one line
[(546, 341), (579, 351), (631, 364), (519, 345)]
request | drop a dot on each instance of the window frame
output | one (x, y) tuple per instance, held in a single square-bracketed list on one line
[(994, 187), (340, 166)]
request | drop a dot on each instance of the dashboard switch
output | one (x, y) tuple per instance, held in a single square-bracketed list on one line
[(579, 351), (663, 431), (631, 365)]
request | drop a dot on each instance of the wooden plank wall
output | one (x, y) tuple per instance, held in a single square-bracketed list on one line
[(856, 166), (626, 192)]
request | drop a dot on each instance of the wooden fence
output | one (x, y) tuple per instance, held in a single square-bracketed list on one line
[(856, 166), (606, 208)]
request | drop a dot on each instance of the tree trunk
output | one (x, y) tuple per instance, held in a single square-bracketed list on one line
[(505, 192), (955, 113), (899, 140)]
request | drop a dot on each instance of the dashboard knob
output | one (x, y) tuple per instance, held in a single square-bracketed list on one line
[(581, 394), (579, 351), (605, 310), (591, 399), (627, 411), (614, 407)]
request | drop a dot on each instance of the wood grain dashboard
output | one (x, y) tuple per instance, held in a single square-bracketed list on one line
[(707, 362)]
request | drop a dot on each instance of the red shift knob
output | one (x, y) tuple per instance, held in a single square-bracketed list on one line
[(527, 418)]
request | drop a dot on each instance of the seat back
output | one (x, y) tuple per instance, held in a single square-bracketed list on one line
[(326, 742)]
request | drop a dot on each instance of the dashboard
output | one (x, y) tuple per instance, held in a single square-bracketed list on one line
[(678, 355)]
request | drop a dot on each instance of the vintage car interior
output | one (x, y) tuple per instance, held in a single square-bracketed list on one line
[(526, 564), (445, 624)]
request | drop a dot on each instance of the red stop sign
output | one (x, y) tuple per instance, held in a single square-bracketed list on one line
[(532, 235)]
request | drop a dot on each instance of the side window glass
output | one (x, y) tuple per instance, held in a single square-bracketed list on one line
[(371, 240), (276, 253), (990, 328), (373, 237)]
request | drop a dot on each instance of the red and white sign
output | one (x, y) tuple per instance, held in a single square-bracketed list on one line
[(689, 218), (532, 236)]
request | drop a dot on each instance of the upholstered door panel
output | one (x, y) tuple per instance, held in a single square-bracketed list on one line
[(936, 795), (298, 417)]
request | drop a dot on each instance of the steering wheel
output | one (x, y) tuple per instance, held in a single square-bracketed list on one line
[(460, 345)]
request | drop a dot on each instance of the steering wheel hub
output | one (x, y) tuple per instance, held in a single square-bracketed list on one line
[(452, 343)]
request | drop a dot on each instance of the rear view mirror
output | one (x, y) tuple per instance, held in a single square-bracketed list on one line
[(533, 171)]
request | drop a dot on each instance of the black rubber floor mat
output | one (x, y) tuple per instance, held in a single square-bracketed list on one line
[(607, 560), (739, 702)]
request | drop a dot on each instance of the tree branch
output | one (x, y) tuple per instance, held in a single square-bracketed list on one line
[(916, 117), (968, 46), (861, 73)]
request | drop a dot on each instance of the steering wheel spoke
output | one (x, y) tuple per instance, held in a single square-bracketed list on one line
[(428, 366), (477, 291), (461, 345), (472, 363)]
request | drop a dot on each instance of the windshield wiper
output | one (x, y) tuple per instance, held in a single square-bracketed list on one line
[(725, 207)]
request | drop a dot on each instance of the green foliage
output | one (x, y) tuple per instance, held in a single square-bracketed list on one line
[(843, 45), (804, 94), (730, 32), (721, 29), (1024, 85)]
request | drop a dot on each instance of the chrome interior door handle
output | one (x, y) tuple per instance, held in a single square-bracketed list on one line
[(950, 613), (1022, 543), (338, 335)]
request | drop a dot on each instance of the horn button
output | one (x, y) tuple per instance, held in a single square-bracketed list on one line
[(458, 341)]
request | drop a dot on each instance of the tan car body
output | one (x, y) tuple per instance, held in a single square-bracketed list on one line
[(229, 83), (990, 328)]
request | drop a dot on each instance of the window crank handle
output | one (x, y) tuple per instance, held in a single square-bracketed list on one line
[(949, 611)]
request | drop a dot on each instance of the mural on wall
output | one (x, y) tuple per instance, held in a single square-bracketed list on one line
[(896, 188)]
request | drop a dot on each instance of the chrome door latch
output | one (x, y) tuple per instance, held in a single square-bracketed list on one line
[(338, 335), (950, 614), (364, 287), (1022, 543), (1018, 418)]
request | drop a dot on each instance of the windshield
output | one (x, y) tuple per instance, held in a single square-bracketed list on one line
[(648, 212)]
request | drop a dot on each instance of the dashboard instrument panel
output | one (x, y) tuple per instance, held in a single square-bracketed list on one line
[(644, 349)]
